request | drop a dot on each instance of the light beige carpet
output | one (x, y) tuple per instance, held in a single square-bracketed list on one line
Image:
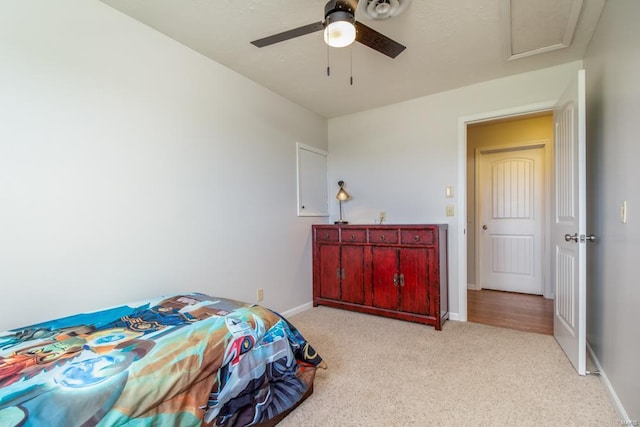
[(385, 372)]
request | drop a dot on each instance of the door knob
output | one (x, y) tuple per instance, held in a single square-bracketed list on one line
[(484, 227), (569, 237)]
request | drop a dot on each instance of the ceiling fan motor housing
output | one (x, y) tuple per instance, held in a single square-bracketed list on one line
[(339, 10), (339, 16)]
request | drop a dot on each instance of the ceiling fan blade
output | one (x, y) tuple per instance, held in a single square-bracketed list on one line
[(383, 44), (290, 34)]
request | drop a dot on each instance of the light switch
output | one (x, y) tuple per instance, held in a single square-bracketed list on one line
[(448, 191), (449, 210)]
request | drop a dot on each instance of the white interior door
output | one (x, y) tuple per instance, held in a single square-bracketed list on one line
[(511, 183), (569, 223)]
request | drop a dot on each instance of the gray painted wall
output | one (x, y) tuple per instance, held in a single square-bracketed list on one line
[(132, 166), (612, 66)]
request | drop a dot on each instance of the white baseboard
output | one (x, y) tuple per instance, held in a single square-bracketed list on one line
[(609, 387), (296, 310), (307, 306), (472, 286)]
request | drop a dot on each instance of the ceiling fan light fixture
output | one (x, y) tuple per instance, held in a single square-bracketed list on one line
[(339, 30), (339, 34)]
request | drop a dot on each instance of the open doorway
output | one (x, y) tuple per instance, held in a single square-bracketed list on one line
[(509, 164)]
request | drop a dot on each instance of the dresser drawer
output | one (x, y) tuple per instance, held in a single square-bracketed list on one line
[(383, 236), (416, 237), (353, 235), (327, 235)]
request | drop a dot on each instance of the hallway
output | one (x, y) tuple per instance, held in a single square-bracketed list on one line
[(523, 312)]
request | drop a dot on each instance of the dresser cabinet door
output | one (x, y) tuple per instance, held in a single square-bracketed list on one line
[(414, 285), (352, 287), (329, 264), (401, 280), (385, 278)]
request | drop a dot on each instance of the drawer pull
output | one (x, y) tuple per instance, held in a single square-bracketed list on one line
[(326, 236), (353, 237), (416, 238), (383, 237)]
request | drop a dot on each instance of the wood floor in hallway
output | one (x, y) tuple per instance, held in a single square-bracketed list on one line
[(530, 313)]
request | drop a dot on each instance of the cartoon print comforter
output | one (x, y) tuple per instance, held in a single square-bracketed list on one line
[(183, 360)]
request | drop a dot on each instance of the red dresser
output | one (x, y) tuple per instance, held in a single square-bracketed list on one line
[(397, 271)]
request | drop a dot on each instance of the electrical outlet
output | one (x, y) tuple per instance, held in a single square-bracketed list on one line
[(260, 294)]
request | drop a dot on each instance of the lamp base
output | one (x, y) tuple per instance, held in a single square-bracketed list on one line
[(341, 222)]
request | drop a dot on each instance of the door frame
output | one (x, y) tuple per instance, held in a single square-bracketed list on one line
[(463, 121), (547, 151)]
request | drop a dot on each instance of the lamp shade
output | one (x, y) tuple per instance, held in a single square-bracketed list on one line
[(342, 194)]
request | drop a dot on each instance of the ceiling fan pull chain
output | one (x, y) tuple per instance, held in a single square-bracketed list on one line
[(328, 63), (351, 59)]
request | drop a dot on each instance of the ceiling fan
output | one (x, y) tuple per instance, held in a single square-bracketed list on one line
[(341, 28)]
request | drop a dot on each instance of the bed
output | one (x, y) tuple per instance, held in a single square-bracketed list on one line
[(178, 360)]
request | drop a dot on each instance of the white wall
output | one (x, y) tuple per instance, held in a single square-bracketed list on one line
[(400, 158), (612, 66), (132, 166)]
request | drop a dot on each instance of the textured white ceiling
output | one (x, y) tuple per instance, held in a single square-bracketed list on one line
[(450, 43)]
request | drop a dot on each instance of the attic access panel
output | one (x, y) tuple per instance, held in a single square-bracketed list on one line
[(535, 27)]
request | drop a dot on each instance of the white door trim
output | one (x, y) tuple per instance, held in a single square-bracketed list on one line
[(463, 121)]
